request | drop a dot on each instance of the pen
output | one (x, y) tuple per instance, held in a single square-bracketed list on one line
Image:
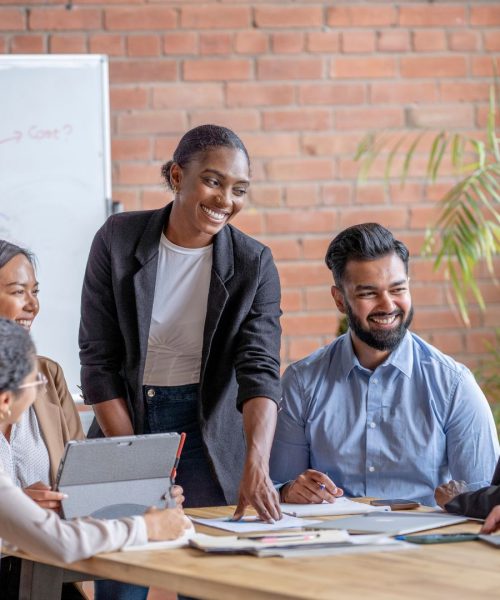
[(173, 473)]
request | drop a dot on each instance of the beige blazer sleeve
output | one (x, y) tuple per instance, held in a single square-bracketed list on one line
[(56, 413), (41, 532)]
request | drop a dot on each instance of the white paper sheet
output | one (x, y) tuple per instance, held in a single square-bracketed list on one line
[(251, 524), (341, 506), (166, 545)]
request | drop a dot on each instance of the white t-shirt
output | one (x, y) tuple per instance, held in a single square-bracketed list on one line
[(179, 310)]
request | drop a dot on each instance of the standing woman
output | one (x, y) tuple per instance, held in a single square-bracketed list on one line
[(180, 327)]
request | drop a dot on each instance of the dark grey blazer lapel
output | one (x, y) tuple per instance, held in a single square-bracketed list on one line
[(145, 278), (222, 271)]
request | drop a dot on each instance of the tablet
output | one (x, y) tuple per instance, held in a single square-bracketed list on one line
[(117, 477), (391, 523)]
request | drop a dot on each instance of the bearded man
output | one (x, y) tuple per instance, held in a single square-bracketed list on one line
[(378, 412)]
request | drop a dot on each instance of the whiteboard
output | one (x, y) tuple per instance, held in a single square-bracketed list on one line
[(55, 182)]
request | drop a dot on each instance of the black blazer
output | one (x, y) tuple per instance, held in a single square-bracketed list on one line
[(478, 504), (241, 340)]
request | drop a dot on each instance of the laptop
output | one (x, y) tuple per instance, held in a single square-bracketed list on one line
[(391, 523), (117, 477)]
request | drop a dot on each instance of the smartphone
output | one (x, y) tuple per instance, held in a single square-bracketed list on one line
[(396, 503), (439, 538)]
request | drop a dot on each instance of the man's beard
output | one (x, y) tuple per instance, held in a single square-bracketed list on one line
[(380, 339)]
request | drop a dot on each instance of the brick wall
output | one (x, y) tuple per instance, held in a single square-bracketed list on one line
[(301, 82)]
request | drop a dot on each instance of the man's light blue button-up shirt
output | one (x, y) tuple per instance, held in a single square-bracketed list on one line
[(416, 421)]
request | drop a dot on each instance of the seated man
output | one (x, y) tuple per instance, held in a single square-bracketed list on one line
[(378, 412), (455, 497)]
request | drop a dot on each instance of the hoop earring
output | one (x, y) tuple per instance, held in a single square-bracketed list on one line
[(5, 415)]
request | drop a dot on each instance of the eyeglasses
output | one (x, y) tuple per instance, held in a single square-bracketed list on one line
[(40, 380)]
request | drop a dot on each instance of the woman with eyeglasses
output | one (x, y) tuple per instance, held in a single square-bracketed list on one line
[(24, 523), (32, 449)]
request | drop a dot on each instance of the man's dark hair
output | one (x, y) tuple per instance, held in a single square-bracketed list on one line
[(199, 140), (17, 355), (8, 251), (367, 241)]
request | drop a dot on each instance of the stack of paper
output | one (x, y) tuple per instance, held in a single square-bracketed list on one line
[(341, 506), (251, 524)]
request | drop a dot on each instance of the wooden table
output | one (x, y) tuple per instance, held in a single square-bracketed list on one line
[(466, 570)]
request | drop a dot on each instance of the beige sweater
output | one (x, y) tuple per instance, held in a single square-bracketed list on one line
[(41, 532)]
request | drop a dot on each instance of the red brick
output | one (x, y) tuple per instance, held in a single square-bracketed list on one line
[(304, 273), (402, 92), (427, 295), (68, 44), (389, 40), (249, 221), (216, 43), (283, 248), (318, 144), (431, 15), (441, 116), (165, 147), (357, 42), (423, 270), (251, 42), (152, 199), (128, 98), (3, 44), (449, 342), (361, 16), (319, 298), (213, 17), (477, 342), (128, 198), (291, 300), (492, 40), (414, 241), (432, 319), (338, 194), (429, 40), (289, 68), (12, 19), (143, 45), (482, 116), (492, 316), (409, 193), (299, 347), (272, 144), (463, 40), (392, 218), (367, 194), (107, 43), (316, 221), (236, 119), (259, 94), (265, 195), (134, 71), (366, 67), (130, 149), (139, 18), (288, 16), (368, 118), (217, 69), (137, 174), (323, 324), (485, 15), (465, 91), (297, 119), (188, 95), (433, 66), (323, 41), (332, 93), (287, 42), (27, 44), (421, 217), (483, 66), (158, 121), (301, 195), (57, 19), (315, 248), (304, 169), (180, 43)]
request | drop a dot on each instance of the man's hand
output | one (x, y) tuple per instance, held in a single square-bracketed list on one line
[(311, 487), (447, 491), (257, 490), (492, 522), (42, 494)]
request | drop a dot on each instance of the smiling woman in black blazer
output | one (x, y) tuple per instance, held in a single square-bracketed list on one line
[(151, 316)]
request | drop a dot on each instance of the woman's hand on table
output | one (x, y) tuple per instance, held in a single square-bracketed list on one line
[(310, 487), (447, 491), (166, 524)]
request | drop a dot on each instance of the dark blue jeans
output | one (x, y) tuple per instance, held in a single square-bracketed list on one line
[(174, 409)]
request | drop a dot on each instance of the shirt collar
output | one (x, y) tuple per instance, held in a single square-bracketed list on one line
[(401, 357)]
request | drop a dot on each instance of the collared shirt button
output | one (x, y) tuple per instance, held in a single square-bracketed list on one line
[(373, 425), (151, 393), (371, 469), (375, 380)]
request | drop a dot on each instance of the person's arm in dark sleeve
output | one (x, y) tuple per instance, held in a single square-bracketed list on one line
[(476, 504)]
